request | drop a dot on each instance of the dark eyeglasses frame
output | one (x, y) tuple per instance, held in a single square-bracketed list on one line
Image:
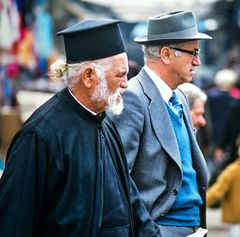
[(195, 53)]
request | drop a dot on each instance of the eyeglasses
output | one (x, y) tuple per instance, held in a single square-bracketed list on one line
[(195, 52)]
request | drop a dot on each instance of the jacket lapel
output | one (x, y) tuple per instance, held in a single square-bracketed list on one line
[(160, 118)]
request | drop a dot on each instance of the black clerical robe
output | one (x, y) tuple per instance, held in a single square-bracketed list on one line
[(53, 180)]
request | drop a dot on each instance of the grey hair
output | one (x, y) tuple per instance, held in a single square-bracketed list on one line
[(225, 78), (69, 73), (153, 51), (193, 93)]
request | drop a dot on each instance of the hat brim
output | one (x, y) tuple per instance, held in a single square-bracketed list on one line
[(145, 40)]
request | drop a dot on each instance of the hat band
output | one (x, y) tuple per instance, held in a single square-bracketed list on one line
[(190, 32)]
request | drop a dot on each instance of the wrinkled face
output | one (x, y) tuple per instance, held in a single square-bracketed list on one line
[(111, 84), (183, 63), (197, 114)]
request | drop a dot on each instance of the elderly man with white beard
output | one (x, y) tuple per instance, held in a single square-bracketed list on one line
[(66, 172)]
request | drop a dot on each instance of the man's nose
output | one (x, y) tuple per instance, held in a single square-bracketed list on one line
[(196, 61), (124, 82), (202, 121)]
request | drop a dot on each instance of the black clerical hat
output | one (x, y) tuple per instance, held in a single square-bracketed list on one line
[(92, 39)]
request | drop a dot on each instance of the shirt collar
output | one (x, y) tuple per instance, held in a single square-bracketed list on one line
[(162, 86)]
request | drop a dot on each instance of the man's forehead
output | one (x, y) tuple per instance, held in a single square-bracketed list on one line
[(120, 61)]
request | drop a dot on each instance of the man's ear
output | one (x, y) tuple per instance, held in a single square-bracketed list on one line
[(88, 77), (165, 55)]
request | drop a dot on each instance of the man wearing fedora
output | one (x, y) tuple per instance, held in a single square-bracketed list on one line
[(164, 158), (66, 173)]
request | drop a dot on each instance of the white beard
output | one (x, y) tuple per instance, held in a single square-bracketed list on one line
[(115, 103)]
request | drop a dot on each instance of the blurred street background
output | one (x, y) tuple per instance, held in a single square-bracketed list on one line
[(215, 227), (28, 46)]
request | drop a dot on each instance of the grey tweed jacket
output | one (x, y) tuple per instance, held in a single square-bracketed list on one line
[(151, 146)]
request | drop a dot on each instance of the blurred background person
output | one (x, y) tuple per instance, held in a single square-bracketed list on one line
[(196, 100), (219, 103)]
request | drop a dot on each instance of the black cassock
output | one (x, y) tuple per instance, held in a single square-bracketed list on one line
[(56, 180)]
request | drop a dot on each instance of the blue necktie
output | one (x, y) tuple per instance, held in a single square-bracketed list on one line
[(176, 104)]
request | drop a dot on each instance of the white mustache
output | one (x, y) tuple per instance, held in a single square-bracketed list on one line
[(120, 91)]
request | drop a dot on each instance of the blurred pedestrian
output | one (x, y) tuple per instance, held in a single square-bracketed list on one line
[(219, 102), (164, 158), (196, 100), (226, 189), (226, 148), (66, 173)]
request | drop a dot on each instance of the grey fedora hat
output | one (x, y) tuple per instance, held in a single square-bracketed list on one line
[(176, 26)]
